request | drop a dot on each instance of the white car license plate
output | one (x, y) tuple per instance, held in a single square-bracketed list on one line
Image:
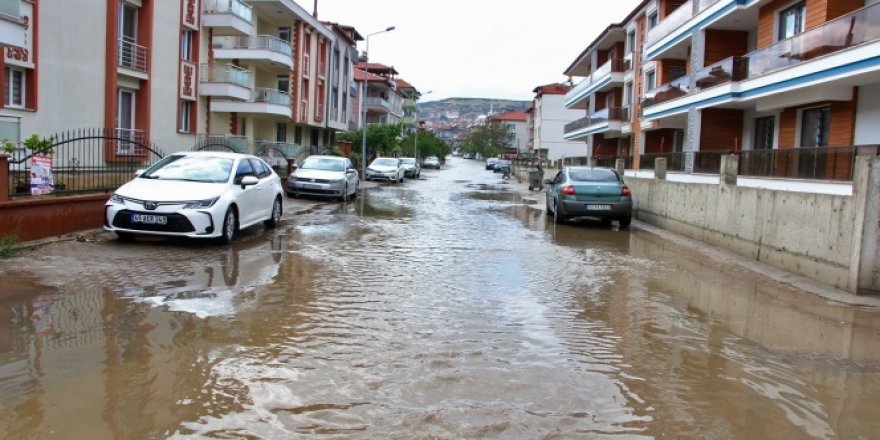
[(598, 207), (148, 219)]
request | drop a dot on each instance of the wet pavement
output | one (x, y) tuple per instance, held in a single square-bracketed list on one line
[(439, 308)]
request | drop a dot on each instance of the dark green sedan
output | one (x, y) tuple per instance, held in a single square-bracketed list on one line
[(589, 192)]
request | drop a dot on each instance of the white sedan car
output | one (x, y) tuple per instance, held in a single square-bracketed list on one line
[(386, 168), (324, 176), (198, 195)]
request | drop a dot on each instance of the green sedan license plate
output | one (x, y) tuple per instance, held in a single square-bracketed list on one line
[(598, 207)]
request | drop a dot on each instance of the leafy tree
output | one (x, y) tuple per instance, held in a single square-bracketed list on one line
[(488, 140), (382, 139), (428, 143)]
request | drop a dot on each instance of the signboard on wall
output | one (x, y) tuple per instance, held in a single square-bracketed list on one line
[(189, 16), (23, 56), (188, 80), (41, 175)]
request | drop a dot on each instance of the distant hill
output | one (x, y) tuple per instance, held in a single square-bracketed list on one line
[(452, 109)]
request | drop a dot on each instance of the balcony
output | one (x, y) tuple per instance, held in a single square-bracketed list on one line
[(228, 17), (132, 58), (608, 120), (289, 150), (833, 56), (670, 37), (378, 104), (273, 52), (262, 102), (605, 77), (225, 81), (722, 72), (12, 27)]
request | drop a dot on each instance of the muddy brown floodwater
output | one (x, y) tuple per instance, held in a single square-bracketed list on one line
[(439, 308)]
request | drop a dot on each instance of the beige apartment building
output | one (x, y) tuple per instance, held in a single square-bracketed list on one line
[(179, 74)]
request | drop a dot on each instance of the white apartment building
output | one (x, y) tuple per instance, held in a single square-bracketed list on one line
[(178, 73), (516, 126), (547, 119)]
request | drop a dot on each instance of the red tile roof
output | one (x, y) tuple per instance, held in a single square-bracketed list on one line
[(511, 116), (376, 67), (360, 75), (401, 84), (552, 89)]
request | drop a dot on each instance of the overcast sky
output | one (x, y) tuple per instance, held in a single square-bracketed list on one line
[(476, 48)]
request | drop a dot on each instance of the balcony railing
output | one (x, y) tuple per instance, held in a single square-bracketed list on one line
[(225, 73), (132, 56), (606, 114), (270, 96), (234, 7), (289, 149), (670, 23), (378, 102), (843, 32), (10, 10), (261, 42), (724, 71), (218, 142)]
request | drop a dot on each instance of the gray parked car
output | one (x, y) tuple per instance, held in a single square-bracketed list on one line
[(324, 176), (411, 167), (589, 192)]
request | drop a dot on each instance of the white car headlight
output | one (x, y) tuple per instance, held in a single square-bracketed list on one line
[(116, 198), (207, 203)]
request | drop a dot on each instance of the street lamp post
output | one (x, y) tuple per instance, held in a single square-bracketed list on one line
[(365, 89)]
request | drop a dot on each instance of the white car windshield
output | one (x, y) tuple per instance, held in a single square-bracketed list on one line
[(385, 162), (324, 164), (191, 169)]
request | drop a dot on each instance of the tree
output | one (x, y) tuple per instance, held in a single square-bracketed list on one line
[(382, 139), (428, 143), (488, 140)]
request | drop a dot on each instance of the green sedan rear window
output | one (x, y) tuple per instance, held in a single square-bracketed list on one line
[(593, 175)]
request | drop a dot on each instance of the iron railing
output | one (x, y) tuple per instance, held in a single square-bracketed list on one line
[(84, 161), (132, 55), (221, 142), (606, 114)]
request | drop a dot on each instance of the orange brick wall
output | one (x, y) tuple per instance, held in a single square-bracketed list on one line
[(843, 120), (724, 44), (665, 65), (721, 130), (818, 12)]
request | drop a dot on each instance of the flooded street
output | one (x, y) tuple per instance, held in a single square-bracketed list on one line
[(438, 308)]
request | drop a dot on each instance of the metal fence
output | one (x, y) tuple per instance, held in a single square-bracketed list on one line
[(83, 161)]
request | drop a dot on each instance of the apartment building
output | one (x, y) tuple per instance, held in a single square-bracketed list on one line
[(515, 125), (383, 102), (250, 74), (547, 118), (410, 96), (730, 75)]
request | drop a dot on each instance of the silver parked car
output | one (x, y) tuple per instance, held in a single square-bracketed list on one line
[(324, 176), (411, 167), (386, 168)]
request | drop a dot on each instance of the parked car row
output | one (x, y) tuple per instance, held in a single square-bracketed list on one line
[(214, 195)]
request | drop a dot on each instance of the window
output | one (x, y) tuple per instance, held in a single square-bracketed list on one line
[(281, 132), (15, 86), (186, 45), (631, 41), (284, 34), (244, 169), (186, 116), (815, 126), (127, 22), (650, 80), (764, 133), (791, 20), (628, 93), (652, 20), (298, 135), (283, 83), (125, 121), (676, 72)]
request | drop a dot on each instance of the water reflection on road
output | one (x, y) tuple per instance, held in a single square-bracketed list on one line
[(442, 307)]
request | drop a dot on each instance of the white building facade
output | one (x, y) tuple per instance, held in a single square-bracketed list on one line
[(547, 122)]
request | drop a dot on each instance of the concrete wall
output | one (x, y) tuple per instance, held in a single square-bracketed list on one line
[(828, 238), (34, 219)]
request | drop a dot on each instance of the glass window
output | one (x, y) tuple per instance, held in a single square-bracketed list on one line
[(815, 127), (15, 85), (284, 34), (791, 20), (631, 41), (185, 116), (764, 133), (593, 175), (281, 132), (186, 45), (652, 20), (650, 81), (244, 169), (628, 93)]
